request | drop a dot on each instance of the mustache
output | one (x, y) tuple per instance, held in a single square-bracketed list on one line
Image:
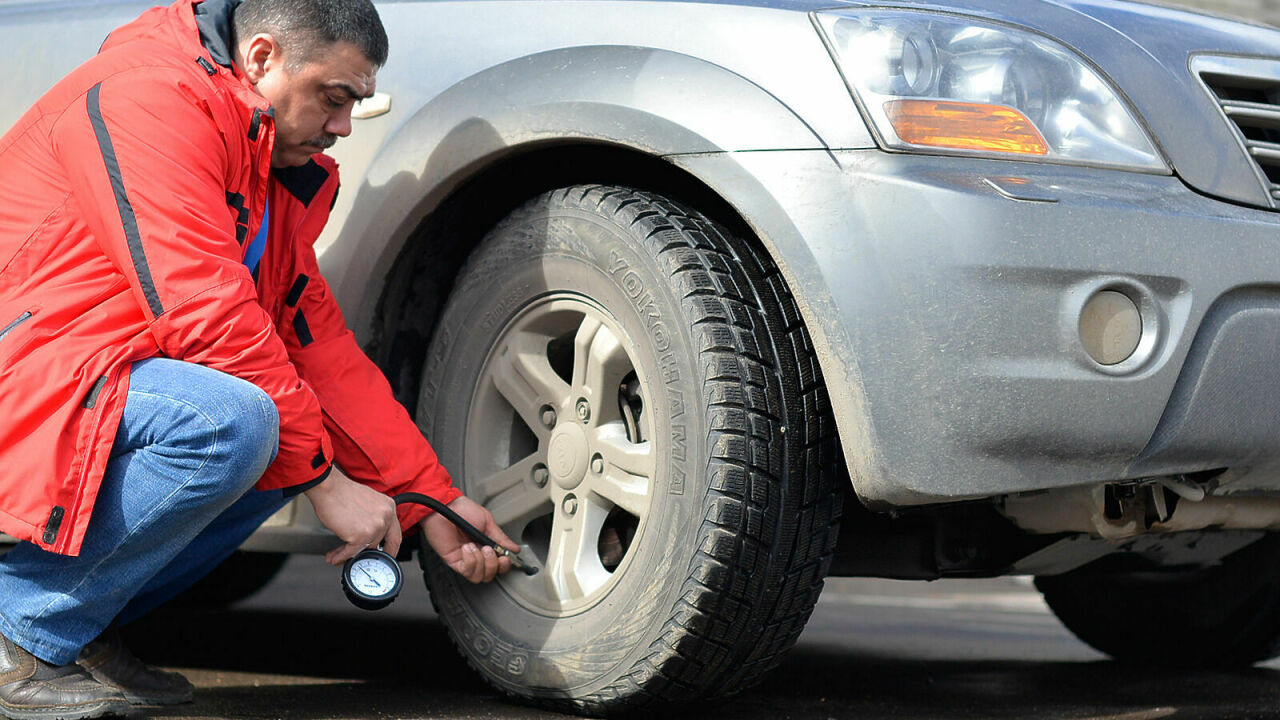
[(324, 142)]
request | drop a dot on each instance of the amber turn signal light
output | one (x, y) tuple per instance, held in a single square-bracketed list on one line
[(965, 126)]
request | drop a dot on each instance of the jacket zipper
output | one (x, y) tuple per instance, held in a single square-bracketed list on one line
[(9, 328), (62, 540)]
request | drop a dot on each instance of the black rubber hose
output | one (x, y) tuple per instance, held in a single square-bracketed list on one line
[(471, 530)]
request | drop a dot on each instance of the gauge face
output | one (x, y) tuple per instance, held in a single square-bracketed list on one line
[(372, 577)]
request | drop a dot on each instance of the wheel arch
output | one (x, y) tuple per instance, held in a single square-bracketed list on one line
[(658, 103), (419, 279), (490, 142), (417, 284)]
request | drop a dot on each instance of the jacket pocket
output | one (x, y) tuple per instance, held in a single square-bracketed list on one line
[(15, 323), (17, 335)]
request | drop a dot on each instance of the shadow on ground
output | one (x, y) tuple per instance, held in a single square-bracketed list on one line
[(273, 664)]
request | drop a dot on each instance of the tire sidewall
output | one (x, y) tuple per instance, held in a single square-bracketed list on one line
[(544, 250)]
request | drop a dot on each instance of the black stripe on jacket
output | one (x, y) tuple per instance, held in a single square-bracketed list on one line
[(127, 217)]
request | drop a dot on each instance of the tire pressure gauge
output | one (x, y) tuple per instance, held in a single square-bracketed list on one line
[(371, 579)]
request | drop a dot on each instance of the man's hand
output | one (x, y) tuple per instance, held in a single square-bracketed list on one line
[(360, 516), (470, 560)]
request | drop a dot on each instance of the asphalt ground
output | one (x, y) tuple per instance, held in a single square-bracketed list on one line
[(873, 649)]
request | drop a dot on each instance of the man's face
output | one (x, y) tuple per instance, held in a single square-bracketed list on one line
[(312, 105)]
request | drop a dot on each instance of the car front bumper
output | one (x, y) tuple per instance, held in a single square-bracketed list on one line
[(944, 296)]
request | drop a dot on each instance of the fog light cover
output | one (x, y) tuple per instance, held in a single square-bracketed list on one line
[(1110, 327)]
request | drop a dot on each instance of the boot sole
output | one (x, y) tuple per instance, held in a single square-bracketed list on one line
[(81, 711)]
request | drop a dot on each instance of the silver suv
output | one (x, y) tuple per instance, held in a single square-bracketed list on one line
[(706, 301)]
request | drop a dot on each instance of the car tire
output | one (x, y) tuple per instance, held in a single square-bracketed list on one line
[(630, 390), (1224, 616)]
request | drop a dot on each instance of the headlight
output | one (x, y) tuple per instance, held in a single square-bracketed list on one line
[(942, 82)]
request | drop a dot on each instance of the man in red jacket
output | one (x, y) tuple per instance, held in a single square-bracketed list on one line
[(172, 366)]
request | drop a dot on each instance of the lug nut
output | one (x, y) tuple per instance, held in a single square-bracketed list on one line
[(541, 475), (584, 410), (570, 505), (597, 464), (548, 416)]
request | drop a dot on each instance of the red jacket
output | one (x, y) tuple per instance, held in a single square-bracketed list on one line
[(131, 191)]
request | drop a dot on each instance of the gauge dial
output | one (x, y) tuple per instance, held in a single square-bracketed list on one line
[(371, 579)]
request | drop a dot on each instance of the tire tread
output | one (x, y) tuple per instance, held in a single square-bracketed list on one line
[(749, 578)]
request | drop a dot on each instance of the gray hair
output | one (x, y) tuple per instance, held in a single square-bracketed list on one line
[(304, 28)]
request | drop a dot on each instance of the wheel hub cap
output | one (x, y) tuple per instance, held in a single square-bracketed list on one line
[(567, 455)]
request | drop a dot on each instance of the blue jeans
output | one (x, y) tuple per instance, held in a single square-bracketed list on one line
[(177, 498)]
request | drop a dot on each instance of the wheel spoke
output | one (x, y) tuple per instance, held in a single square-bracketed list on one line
[(519, 504), (628, 470), (599, 363), (573, 561), (535, 366), (525, 378), (631, 458), (483, 489), (628, 492), (582, 342)]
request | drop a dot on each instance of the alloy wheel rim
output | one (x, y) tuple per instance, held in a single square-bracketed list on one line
[(558, 446)]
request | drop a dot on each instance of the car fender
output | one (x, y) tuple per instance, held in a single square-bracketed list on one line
[(657, 102), (800, 205)]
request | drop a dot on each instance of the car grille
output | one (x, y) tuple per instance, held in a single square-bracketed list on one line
[(1248, 90)]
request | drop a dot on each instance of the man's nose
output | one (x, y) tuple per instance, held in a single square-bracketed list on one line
[(339, 123)]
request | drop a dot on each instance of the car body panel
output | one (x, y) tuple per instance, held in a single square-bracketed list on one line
[(613, 96), (655, 83), (963, 371), (942, 293), (33, 63)]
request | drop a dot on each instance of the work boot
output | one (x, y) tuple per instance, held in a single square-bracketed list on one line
[(110, 662), (32, 689)]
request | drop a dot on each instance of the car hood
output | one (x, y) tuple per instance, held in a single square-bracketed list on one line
[(1147, 51)]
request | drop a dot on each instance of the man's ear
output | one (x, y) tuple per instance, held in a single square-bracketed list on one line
[(259, 55)]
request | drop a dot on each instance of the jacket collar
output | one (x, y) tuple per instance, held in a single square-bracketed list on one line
[(213, 19)]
